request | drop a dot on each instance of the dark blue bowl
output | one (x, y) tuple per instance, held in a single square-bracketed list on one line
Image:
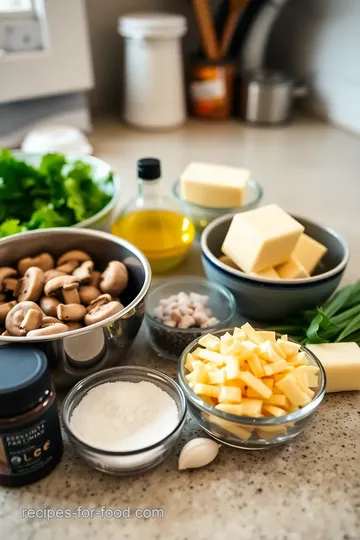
[(267, 299)]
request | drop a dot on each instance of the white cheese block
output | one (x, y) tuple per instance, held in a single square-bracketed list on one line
[(261, 238), (214, 186), (292, 269), (341, 362), (309, 252)]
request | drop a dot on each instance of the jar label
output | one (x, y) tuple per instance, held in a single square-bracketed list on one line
[(208, 90), (28, 450)]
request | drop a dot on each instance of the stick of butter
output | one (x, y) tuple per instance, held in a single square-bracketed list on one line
[(309, 252), (214, 186), (292, 269), (261, 238), (341, 362)]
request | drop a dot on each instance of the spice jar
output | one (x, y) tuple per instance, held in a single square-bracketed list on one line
[(30, 436)]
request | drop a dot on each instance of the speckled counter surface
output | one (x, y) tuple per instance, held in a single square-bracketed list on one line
[(309, 489)]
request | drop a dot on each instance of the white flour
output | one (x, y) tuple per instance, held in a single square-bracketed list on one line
[(124, 416)]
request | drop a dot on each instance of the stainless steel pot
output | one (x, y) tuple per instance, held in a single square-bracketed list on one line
[(266, 97), (74, 355)]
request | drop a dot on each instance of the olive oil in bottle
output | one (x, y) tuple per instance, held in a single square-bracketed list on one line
[(153, 222)]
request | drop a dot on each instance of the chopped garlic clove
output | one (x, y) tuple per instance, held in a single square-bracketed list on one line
[(198, 453)]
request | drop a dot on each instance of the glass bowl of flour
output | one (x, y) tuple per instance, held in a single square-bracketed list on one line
[(124, 420)]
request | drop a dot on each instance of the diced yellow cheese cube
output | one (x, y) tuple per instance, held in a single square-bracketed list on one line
[(311, 372), (268, 273), (251, 407), (210, 342), (217, 377), (278, 399), (214, 186), (207, 390), (230, 408), (239, 334), (292, 391), (255, 365), (237, 348), (200, 374), (268, 382), (291, 269), (229, 394), (267, 351), (255, 384), (285, 337), (289, 348), (273, 410), (341, 362), (270, 432), (239, 431), (267, 335), (261, 238), (189, 377), (208, 400), (309, 252), (298, 359), (252, 334), (302, 380), (250, 393), (227, 338), (211, 356), (232, 368), (196, 352), (189, 362), (275, 367)]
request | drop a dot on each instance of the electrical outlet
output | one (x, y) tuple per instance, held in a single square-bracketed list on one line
[(21, 35)]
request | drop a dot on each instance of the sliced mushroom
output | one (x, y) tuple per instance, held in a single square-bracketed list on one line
[(70, 292), (6, 333), (32, 320), (5, 308), (31, 286), (10, 284), (68, 267), (44, 261), (71, 312), (74, 325), (49, 320), (102, 312), (49, 274), (5, 273), (99, 301), (115, 278), (95, 279), (56, 285), (73, 255), (56, 328), (2, 297), (88, 293), (15, 317), (83, 273), (49, 304)]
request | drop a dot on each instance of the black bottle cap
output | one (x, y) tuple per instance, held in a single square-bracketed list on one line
[(149, 168), (24, 379)]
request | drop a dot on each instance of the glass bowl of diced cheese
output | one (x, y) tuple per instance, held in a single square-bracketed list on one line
[(249, 388), (203, 214)]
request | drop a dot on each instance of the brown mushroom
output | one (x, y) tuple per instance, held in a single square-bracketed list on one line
[(31, 286), (88, 293), (32, 320), (115, 278), (6, 333), (49, 304), (5, 273), (49, 320), (49, 274), (83, 273), (102, 312), (49, 330), (70, 312), (10, 284), (70, 292), (55, 285), (68, 267), (44, 261), (14, 321), (5, 308), (2, 297), (74, 325), (95, 279), (73, 255), (99, 301)]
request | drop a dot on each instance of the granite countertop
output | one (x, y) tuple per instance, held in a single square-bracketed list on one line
[(308, 489)]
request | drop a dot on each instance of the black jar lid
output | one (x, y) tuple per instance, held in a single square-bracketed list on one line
[(24, 379), (149, 168)]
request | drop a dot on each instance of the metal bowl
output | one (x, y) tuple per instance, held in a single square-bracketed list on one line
[(76, 354)]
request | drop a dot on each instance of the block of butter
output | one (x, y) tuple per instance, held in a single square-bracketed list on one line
[(341, 362), (214, 186), (309, 252), (261, 238), (292, 269), (269, 273)]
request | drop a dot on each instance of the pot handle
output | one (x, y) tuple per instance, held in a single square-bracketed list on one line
[(300, 90)]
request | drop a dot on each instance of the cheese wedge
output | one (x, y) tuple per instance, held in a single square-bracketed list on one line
[(341, 362)]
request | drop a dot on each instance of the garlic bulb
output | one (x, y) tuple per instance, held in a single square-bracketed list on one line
[(198, 453)]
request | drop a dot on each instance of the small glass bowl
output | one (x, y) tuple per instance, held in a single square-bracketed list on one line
[(201, 216), (170, 342), (130, 462), (243, 431)]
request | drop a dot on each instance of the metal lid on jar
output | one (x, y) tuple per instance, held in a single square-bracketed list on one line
[(152, 25), (24, 379)]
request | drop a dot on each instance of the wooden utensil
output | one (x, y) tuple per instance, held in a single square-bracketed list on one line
[(236, 7), (207, 28)]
